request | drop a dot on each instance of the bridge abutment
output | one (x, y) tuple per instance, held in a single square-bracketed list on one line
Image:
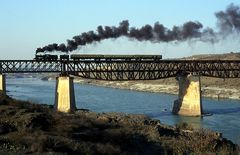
[(189, 102), (3, 84), (64, 96)]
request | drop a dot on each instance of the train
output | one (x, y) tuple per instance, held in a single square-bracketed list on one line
[(50, 57), (77, 57)]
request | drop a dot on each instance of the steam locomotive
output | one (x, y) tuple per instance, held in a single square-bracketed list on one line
[(50, 57), (77, 57)]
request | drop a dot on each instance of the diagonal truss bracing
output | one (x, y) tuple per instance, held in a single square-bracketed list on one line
[(126, 70)]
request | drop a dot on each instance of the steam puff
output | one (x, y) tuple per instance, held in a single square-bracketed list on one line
[(228, 22)]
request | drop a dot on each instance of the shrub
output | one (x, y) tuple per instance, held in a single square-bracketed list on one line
[(184, 126)]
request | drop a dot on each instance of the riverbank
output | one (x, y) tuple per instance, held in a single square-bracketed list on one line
[(210, 87), (33, 128)]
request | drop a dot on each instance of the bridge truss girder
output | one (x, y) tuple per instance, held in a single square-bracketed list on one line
[(126, 70)]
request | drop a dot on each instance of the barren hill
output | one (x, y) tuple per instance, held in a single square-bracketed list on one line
[(226, 56)]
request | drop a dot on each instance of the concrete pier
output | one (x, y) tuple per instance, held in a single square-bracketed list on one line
[(3, 84), (65, 97), (189, 102)]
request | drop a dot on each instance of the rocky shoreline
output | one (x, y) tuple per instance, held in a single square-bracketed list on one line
[(27, 128)]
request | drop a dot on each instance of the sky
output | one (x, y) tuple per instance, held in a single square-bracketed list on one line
[(27, 25)]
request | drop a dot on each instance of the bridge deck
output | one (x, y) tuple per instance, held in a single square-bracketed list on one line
[(126, 70)]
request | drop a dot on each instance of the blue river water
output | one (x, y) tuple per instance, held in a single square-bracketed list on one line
[(225, 118)]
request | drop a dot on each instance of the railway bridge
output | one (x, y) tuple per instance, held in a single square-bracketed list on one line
[(187, 72)]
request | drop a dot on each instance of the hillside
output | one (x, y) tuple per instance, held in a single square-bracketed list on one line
[(226, 56)]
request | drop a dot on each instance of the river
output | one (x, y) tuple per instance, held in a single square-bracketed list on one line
[(225, 118)]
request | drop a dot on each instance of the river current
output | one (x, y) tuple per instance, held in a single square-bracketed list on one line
[(225, 116)]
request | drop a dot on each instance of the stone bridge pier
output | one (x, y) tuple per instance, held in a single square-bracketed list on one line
[(3, 84), (189, 102), (65, 96)]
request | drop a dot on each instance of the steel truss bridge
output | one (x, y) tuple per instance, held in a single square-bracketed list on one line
[(125, 69)]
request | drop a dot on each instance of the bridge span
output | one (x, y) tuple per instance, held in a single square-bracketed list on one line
[(187, 72), (126, 70)]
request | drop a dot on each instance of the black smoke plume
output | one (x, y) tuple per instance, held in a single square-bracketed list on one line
[(228, 22)]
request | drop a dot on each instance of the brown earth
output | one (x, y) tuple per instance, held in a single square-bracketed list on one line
[(27, 128)]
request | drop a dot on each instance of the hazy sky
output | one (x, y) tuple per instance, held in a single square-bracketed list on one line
[(28, 24)]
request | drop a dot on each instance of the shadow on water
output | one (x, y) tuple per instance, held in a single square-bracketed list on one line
[(195, 122), (159, 114)]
